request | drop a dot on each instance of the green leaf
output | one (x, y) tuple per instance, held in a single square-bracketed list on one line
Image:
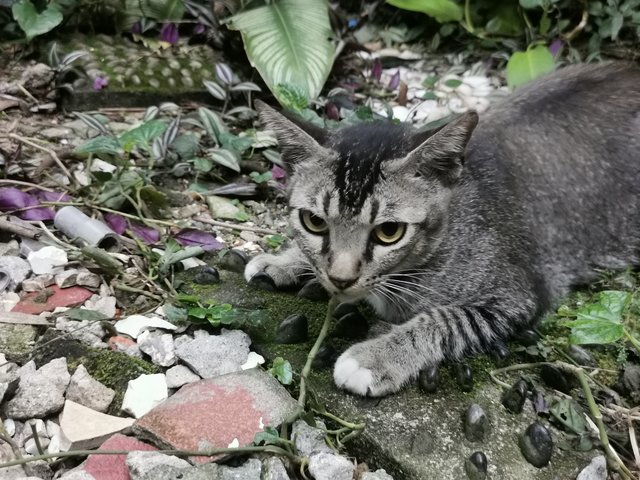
[(595, 330), (442, 10), (224, 157), (569, 413), (289, 42), (616, 24), (269, 436), (161, 10), (525, 66), (453, 83), (101, 145), (260, 177), (292, 97), (202, 164), (175, 314), (281, 369), (274, 241), (531, 3), (142, 135), (186, 145), (84, 314), (33, 23), (212, 123)]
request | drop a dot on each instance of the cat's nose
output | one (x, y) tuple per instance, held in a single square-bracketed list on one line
[(343, 283)]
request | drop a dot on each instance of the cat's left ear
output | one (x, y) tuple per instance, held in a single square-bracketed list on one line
[(442, 154), (298, 140)]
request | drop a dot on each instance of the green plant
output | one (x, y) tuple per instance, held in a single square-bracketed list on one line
[(35, 22), (523, 67), (605, 318), (289, 43)]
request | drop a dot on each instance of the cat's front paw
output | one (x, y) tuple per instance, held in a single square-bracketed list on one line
[(269, 272), (364, 371)]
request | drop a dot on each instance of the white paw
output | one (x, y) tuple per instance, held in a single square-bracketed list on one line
[(253, 267), (348, 374)]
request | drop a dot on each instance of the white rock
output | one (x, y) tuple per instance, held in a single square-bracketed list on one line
[(180, 375), (596, 470), (86, 278), (78, 474), (253, 360), (145, 465), (135, 324), (87, 391), (380, 474), (9, 426), (41, 429), (328, 466), (401, 113), (32, 449), (85, 428), (37, 283), (17, 268), (98, 165), (8, 300), (144, 393), (158, 346), (104, 305), (309, 440), (48, 259), (68, 278), (273, 469)]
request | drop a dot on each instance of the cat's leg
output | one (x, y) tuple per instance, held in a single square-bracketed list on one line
[(286, 268), (385, 364)]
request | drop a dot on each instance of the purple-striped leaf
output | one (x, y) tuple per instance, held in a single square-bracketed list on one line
[(169, 33), (14, 199), (117, 222), (148, 235), (46, 196), (191, 237)]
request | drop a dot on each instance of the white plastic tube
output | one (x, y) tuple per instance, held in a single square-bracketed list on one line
[(84, 230)]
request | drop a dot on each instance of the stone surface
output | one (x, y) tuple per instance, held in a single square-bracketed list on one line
[(66, 279), (158, 346), (144, 393), (536, 445), (380, 474), (113, 467), (133, 325), (103, 305), (309, 440), (328, 466), (86, 428), (51, 298), (293, 329), (596, 470), (40, 392), (180, 375), (213, 355), (88, 332), (273, 469), (85, 390), (154, 465), (86, 278), (214, 413), (39, 282), (249, 470), (17, 268), (16, 339)]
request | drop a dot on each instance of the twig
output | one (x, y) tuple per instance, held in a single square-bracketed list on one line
[(36, 439), (25, 184), (634, 444), (27, 93), (578, 28), (51, 153), (17, 229), (314, 350), (178, 453), (235, 226), (127, 288)]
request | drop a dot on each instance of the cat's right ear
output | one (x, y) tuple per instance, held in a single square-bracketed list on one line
[(298, 140)]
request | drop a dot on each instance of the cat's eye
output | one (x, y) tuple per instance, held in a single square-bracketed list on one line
[(313, 223), (389, 233)]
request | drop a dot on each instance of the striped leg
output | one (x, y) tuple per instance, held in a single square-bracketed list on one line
[(385, 364)]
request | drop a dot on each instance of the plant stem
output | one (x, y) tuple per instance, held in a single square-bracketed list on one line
[(467, 16), (634, 341), (51, 153), (178, 453), (314, 350), (344, 423), (597, 416)]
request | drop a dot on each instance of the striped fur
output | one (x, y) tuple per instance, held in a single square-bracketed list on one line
[(501, 219)]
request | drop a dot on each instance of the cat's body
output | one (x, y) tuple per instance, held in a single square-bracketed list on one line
[(470, 245)]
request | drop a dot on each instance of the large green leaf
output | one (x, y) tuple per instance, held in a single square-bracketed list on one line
[(289, 43), (161, 10), (34, 23), (600, 321), (441, 10), (525, 66)]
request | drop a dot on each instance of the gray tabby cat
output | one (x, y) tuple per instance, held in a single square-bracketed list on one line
[(463, 235)]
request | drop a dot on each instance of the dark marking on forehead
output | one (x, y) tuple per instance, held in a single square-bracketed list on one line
[(361, 150), (375, 205), (325, 203)]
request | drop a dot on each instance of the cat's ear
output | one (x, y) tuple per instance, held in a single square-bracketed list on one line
[(442, 153), (298, 140)]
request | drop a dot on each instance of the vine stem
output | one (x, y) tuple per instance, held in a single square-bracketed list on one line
[(302, 398), (633, 340), (178, 453), (51, 153)]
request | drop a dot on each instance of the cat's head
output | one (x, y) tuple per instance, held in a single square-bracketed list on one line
[(367, 200)]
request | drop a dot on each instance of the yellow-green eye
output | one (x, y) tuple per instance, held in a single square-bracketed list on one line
[(312, 223), (389, 233)]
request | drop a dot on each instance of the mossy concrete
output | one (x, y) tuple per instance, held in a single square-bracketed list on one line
[(413, 435)]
